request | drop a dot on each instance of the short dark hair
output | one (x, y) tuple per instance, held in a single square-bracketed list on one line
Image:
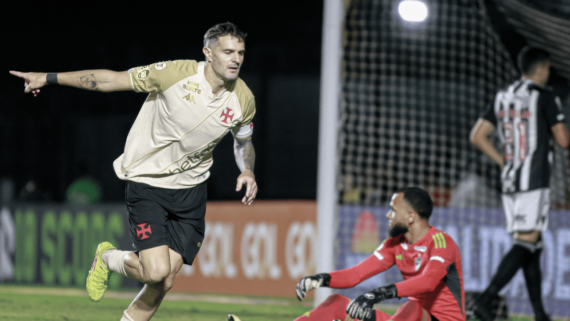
[(419, 200), (222, 29), (529, 58)]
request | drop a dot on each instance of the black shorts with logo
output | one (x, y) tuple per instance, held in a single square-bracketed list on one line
[(173, 217)]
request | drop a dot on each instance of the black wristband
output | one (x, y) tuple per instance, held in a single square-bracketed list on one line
[(326, 279), (391, 291), (51, 78)]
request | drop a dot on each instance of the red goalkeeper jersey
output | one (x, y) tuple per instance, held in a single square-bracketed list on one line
[(431, 268)]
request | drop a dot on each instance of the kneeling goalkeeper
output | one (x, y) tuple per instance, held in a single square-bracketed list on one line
[(428, 258)]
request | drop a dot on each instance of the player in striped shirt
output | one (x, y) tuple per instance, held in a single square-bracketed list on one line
[(527, 115), (428, 258)]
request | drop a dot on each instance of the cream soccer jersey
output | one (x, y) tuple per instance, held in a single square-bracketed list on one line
[(171, 141)]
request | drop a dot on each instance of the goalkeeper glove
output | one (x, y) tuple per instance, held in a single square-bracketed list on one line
[(363, 306), (311, 282)]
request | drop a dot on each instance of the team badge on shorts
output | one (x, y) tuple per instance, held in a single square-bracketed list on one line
[(142, 232)]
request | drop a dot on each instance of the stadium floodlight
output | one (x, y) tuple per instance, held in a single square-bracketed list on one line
[(413, 11)]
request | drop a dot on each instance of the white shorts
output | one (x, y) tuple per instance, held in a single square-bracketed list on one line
[(527, 211)]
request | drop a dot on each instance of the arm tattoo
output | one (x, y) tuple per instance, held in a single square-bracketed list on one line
[(249, 156), (88, 82), (245, 154)]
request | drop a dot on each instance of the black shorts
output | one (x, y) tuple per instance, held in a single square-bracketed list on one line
[(161, 216)]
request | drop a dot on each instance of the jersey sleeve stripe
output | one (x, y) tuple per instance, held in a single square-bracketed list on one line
[(443, 240), (379, 256), (437, 258), (436, 241)]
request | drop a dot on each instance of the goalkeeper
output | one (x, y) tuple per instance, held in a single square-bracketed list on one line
[(428, 258)]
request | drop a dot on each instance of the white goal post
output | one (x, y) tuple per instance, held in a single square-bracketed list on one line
[(328, 138)]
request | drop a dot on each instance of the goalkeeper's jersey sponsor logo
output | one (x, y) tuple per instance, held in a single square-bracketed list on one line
[(439, 241)]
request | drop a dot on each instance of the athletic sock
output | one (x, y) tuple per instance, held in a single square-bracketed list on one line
[(126, 317), (533, 278), (510, 264), (409, 311), (115, 260)]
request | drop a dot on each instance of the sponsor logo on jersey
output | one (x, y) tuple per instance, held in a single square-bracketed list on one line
[(160, 65), (439, 241), (143, 74), (399, 257), (192, 86), (193, 159), (189, 98), (141, 68), (525, 114), (420, 248)]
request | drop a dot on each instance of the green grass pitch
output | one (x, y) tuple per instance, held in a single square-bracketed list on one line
[(41, 303)]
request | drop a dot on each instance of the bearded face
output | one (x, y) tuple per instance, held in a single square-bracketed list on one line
[(397, 229), (396, 216)]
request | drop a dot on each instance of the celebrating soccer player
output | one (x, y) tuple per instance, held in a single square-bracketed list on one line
[(428, 258), (191, 106), (526, 114)]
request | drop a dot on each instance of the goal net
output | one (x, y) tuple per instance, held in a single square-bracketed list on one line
[(411, 92)]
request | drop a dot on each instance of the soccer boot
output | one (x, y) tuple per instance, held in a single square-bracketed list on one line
[(99, 275), (232, 317)]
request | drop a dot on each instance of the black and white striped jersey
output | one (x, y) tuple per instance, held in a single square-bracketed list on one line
[(524, 114)]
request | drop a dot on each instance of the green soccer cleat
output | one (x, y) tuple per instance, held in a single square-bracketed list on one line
[(99, 275)]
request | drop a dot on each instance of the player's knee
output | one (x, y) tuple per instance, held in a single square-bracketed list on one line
[(157, 274), (169, 282)]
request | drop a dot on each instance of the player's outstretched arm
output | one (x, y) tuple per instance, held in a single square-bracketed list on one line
[(245, 159), (96, 80), (480, 137)]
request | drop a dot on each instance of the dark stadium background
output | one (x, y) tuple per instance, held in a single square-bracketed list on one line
[(66, 132)]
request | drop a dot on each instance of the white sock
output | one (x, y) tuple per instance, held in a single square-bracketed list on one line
[(115, 260), (126, 317)]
